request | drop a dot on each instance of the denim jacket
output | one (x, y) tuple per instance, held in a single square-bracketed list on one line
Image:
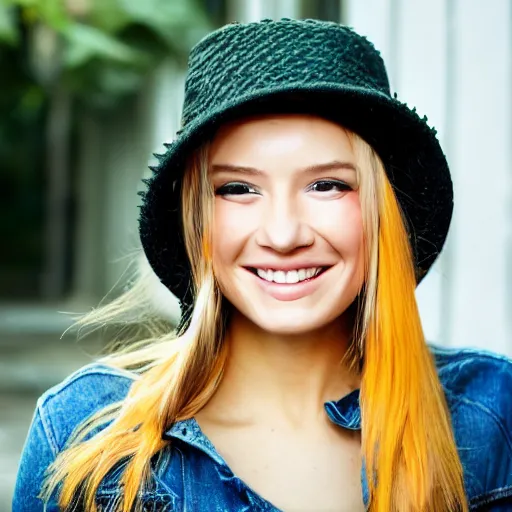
[(190, 475)]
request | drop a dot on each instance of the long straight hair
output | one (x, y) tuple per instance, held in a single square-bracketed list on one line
[(412, 462)]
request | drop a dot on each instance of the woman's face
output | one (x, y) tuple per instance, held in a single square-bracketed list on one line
[(287, 238)]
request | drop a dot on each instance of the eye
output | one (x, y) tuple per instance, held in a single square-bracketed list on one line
[(235, 188), (329, 186)]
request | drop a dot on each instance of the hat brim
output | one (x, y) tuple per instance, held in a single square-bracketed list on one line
[(412, 156)]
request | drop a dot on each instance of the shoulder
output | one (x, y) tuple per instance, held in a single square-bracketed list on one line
[(59, 411), (476, 376), (85, 392), (478, 386)]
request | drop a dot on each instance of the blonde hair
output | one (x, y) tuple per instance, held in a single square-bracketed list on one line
[(411, 461)]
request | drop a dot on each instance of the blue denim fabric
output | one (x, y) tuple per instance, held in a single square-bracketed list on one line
[(190, 475)]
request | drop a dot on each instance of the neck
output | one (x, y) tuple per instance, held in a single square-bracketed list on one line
[(283, 377)]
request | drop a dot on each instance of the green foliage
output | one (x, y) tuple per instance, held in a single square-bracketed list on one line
[(8, 30), (103, 49), (85, 43)]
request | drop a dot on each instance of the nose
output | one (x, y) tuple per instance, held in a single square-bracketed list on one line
[(284, 226)]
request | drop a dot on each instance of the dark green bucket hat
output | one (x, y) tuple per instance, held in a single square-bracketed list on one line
[(305, 66)]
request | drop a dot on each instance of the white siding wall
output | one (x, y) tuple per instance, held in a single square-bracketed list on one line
[(453, 60), (255, 10)]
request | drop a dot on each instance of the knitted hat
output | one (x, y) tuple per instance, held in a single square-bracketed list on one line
[(305, 66)]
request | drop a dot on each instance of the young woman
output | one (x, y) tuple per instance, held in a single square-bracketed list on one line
[(293, 216)]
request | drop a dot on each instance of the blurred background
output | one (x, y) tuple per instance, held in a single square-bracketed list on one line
[(90, 88)]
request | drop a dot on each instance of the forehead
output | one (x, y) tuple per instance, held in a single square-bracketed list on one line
[(276, 136)]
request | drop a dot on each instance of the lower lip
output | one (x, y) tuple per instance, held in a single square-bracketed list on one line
[(289, 291)]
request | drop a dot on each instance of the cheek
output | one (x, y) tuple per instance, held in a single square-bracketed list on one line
[(232, 224), (341, 224)]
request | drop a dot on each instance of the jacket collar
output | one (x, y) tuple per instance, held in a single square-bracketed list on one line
[(345, 412)]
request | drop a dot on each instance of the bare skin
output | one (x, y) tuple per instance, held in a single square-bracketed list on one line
[(286, 343), (268, 422)]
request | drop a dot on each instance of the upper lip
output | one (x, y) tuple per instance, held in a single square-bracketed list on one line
[(285, 267)]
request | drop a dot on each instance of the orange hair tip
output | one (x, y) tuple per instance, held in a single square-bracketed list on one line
[(206, 249)]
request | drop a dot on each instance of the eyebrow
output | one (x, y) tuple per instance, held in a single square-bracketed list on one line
[(311, 169)]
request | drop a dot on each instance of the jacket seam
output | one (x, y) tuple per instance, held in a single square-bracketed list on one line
[(49, 396), (497, 419), (59, 388), (182, 464), (459, 353), (491, 496), (48, 430)]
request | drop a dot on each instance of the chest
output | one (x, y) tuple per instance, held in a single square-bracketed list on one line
[(318, 471), (291, 472)]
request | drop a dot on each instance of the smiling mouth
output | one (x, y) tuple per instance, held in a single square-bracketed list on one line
[(288, 277)]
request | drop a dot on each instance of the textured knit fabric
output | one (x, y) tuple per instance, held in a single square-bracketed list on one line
[(191, 475), (305, 66)]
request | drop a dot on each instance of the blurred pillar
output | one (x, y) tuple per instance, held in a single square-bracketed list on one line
[(129, 142), (114, 149), (57, 188), (166, 100), (92, 201), (255, 10)]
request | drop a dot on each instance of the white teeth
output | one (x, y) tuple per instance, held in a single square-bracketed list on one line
[(290, 277), (279, 277), (262, 273)]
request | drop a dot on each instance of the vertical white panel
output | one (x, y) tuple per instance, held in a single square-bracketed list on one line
[(420, 81), (412, 39), (481, 161), (374, 19), (421, 56), (255, 10), (168, 100), (286, 9)]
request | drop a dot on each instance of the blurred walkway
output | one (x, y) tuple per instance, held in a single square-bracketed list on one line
[(29, 364)]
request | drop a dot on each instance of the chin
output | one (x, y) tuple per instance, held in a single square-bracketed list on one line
[(294, 317), (290, 330), (293, 321)]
